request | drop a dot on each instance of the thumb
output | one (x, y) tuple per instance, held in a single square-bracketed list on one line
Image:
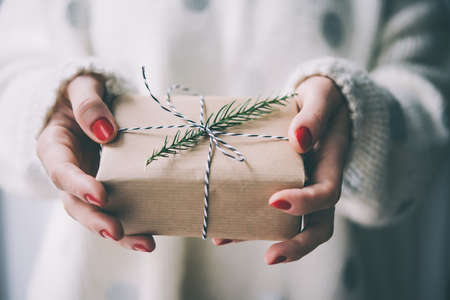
[(85, 93), (318, 99)]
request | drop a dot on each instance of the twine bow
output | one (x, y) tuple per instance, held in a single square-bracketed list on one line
[(214, 141)]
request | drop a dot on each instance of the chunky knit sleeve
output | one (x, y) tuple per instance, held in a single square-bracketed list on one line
[(41, 52), (398, 113)]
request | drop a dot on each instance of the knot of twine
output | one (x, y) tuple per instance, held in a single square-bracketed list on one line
[(214, 141)]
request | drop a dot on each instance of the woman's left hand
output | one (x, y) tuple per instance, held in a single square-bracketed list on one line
[(320, 131)]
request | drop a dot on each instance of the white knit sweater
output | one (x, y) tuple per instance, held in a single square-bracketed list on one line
[(389, 59)]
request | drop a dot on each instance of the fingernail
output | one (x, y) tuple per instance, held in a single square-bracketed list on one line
[(225, 241), (304, 138), (279, 259), (141, 248), (281, 204), (92, 200), (102, 129), (107, 235)]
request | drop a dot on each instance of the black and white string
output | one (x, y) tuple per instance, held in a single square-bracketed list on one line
[(214, 140)]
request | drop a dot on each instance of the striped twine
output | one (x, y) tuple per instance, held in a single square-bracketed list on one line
[(214, 140)]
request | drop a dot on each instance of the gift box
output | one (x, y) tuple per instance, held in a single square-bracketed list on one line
[(167, 196)]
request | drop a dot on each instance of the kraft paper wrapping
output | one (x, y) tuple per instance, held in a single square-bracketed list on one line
[(166, 197)]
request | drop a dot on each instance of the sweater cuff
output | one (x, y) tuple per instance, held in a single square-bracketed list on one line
[(52, 87), (365, 174)]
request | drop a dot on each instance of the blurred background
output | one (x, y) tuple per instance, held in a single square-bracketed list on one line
[(18, 250)]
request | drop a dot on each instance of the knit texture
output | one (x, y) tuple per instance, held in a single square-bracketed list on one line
[(45, 86), (368, 104)]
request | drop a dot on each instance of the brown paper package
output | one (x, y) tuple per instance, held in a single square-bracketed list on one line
[(166, 197)]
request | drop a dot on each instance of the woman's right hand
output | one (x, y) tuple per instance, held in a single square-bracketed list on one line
[(68, 147)]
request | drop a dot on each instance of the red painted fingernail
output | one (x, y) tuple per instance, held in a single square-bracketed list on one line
[(92, 200), (102, 129), (304, 138), (281, 204), (279, 259), (225, 241), (141, 248), (107, 235)]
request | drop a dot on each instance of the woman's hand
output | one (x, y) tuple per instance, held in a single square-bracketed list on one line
[(69, 150), (321, 131)]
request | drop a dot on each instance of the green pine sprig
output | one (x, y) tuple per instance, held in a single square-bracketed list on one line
[(227, 116), (179, 142)]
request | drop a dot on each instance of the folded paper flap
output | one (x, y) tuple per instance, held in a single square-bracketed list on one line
[(135, 110), (166, 197), (126, 156)]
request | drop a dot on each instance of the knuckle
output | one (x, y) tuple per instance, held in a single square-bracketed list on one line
[(55, 135), (335, 195), (86, 105), (55, 177), (44, 140), (308, 201), (299, 247), (310, 194), (331, 192), (298, 243)]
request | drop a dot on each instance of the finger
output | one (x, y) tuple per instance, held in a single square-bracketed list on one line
[(56, 149), (325, 189), (318, 98), (299, 202), (143, 243), (92, 218), (91, 113), (318, 230), (221, 242), (105, 225)]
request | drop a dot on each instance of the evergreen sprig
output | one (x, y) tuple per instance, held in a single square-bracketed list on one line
[(179, 142), (229, 115)]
